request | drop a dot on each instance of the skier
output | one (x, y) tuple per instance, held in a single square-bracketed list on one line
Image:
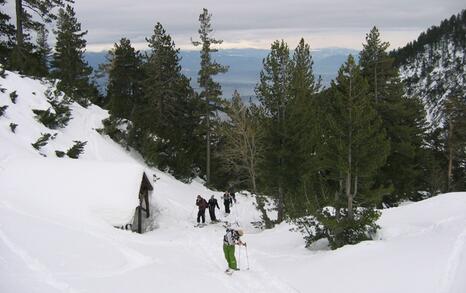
[(231, 239), (227, 202), (202, 204), (212, 204)]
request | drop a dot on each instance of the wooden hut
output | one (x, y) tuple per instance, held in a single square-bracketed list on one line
[(144, 205)]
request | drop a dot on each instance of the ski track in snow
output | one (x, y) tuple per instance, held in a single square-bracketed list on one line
[(247, 281), (453, 263), (34, 265), (134, 259)]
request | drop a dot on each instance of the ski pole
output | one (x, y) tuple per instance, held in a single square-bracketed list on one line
[(247, 256), (239, 258)]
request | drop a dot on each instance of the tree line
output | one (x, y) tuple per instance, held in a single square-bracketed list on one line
[(330, 157)]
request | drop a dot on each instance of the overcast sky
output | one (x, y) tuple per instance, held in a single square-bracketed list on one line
[(256, 23)]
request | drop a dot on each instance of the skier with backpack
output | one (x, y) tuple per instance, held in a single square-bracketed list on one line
[(212, 204), (202, 205), (230, 239)]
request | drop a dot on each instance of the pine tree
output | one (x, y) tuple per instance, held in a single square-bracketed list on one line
[(355, 142), (43, 52), (76, 150), (7, 31), (68, 62), (211, 90), (455, 130), (274, 97), (25, 22), (403, 119), (302, 118), (166, 117), (163, 72), (124, 79), (375, 64)]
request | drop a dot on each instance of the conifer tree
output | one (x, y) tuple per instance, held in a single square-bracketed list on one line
[(124, 79), (166, 117), (26, 22), (7, 31), (211, 90), (403, 119), (375, 64), (68, 62), (455, 132), (355, 144), (302, 122), (163, 76), (43, 53), (274, 97)]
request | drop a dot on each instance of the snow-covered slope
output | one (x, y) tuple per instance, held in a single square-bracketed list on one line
[(433, 67), (436, 73), (421, 246)]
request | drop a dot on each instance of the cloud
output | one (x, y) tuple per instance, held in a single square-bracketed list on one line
[(256, 23)]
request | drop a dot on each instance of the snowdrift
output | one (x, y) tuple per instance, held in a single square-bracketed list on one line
[(74, 188)]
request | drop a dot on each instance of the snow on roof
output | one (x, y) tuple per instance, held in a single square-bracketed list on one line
[(73, 188)]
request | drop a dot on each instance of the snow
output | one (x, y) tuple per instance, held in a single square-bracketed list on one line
[(55, 241), (69, 187), (433, 73)]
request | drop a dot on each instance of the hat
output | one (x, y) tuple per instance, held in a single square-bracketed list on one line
[(240, 232)]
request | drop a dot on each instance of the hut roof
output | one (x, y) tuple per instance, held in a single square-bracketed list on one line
[(76, 188)]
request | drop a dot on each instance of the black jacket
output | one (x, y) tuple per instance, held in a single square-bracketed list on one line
[(213, 203)]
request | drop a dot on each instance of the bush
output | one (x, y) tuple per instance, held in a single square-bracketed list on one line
[(117, 129), (41, 141), (56, 117), (60, 154), (76, 149), (13, 127), (13, 97), (341, 230), (2, 110), (46, 117)]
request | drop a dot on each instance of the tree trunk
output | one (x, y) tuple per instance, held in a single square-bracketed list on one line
[(337, 197), (349, 195), (208, 143), (280, 203), (19, 24), (253, 181), (375, 83), (450, 157)]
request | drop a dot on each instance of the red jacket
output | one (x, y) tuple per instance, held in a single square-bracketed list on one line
[(201, 203)]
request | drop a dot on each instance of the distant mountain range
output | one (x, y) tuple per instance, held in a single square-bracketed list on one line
[(245, 66)]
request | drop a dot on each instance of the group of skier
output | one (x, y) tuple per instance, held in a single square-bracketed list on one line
[(232, 236), (202, 204)]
